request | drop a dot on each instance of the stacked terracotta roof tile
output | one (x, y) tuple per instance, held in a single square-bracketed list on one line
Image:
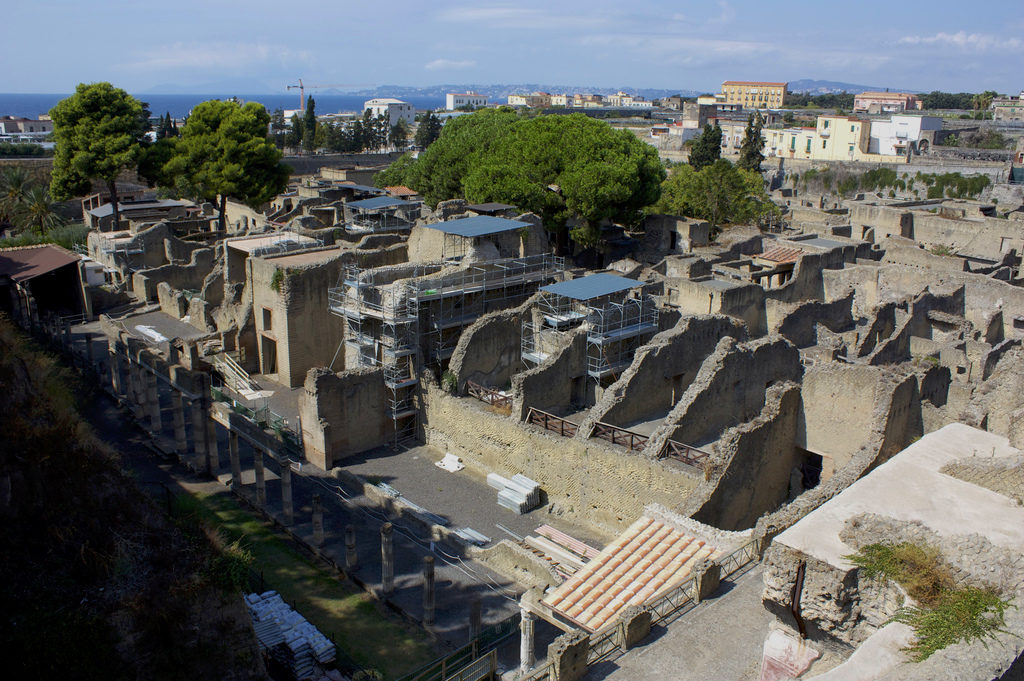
[(781, 254), (647, 559)]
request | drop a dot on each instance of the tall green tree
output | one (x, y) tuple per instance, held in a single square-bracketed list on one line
[(224, 152), (567, 169), (752, 148), (399, 134), (293, 139), (719, 193), (98, 132), (428, 130), (708, 147), (309, 126)]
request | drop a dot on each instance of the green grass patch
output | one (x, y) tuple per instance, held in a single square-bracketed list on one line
[(360, 626), (947, 614)]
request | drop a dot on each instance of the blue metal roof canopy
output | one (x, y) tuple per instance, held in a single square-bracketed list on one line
[(379, 202), (479, 225), (366, 189), (591, 286)]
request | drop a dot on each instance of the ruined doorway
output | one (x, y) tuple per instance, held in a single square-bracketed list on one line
[(810, 470), (268, 355)]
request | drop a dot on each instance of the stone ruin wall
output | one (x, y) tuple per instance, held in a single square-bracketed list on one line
[(586, 481)]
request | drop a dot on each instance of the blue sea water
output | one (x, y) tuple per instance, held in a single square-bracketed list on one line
[(31, 105)]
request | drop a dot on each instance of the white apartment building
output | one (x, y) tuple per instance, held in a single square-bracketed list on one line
[(395, 108), (894, 136), (456, 100)]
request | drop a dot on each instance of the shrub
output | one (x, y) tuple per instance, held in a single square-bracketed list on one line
[(277, 280), (947, 614), (449, 382)]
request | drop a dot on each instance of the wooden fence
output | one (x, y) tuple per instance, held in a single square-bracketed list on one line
[(488, 395), (551, 422)]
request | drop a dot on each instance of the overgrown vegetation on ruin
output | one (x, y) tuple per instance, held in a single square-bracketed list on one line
[(839, 180), (946, 614)]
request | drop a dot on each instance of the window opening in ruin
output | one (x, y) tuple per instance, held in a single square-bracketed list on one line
[(268, 319), (673, 240)]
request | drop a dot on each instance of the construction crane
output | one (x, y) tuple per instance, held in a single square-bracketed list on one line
[(302, 90)]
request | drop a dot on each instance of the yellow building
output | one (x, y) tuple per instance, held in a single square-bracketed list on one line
[(834, 138), (754, 94)]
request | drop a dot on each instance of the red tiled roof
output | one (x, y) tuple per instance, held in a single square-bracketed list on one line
[(400, 190), (647, 559), (22, 264), (780, 254)]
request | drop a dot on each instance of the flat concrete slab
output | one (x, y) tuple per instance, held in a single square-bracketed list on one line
[(909, 487), (721, 638)]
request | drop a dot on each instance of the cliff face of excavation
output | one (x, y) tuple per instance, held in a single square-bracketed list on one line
[(98, 582)]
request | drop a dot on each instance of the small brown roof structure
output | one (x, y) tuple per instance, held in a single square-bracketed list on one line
[(649, 558), (28, 262), (780, 254), (401, 190)]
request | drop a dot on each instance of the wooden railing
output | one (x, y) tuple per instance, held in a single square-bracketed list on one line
[(619, 436), (684, 453), (488, 395), (551, 422)]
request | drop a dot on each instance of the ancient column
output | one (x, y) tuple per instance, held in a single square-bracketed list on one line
[(212, 451), (286, 493), (526, 654), (261, 481), (178, 418), (351, 557), (236, 464), (135, 395), (474, 618), (318, 521), (387, 560), (428, 590), (156, 423), (199, 433)]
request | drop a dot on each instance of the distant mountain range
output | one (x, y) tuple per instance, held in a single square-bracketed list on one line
[(495, 92), (827, 87)]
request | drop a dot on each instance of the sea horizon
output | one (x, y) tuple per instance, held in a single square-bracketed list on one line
[(31, 105)]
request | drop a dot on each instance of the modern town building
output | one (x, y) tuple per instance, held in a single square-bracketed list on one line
[(458, 100), (886, 102), (754, 94), (1008, 108), (396, 109)]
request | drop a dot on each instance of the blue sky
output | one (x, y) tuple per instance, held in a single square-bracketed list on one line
[(50, 45)]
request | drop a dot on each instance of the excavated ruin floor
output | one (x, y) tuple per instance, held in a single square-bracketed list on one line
[(462, 498)]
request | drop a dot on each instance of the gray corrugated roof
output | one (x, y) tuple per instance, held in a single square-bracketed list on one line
[(378, 202), (478, 225), (591, 286)]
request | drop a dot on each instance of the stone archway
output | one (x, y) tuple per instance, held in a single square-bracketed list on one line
[(922, 147)]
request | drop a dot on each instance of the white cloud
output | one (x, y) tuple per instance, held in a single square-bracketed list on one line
[(449, 64), (216, 56), (971, 42), (517, 17)]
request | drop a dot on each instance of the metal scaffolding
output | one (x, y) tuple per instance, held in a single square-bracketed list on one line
[(615, 329), (398, 324)]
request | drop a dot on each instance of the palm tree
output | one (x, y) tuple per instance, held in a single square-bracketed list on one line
[(14, 185), (38, 211)]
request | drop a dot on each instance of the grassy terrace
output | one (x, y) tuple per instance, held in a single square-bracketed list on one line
[(361, 627)]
